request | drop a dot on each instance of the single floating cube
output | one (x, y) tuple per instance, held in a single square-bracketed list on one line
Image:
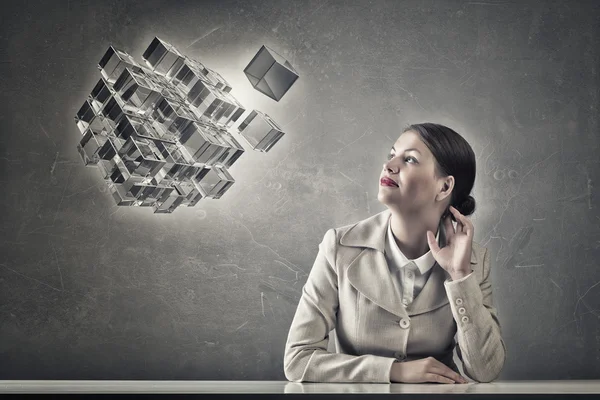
[(270, 73), (260, 131)]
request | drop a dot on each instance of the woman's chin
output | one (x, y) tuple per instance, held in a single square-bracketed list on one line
[(385, 197)]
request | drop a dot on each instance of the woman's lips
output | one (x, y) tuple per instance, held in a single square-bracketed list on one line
[(387, 182)]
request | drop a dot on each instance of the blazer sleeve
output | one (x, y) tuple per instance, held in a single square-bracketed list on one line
[(306, 358), (480, 345)]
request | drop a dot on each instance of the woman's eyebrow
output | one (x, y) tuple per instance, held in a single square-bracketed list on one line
[(412, 148)]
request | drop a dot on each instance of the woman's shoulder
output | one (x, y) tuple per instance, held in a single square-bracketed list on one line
[(379, 218), (361, 232)]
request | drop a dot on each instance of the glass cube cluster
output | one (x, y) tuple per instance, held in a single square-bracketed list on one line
[(159, 132)]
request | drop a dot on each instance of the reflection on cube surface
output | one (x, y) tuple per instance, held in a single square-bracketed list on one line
[(158, 133), (270, 73)]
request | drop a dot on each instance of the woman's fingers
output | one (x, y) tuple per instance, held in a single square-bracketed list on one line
[(464, 225), (442, 369), (433, 245), (449, 228), (437, 378)]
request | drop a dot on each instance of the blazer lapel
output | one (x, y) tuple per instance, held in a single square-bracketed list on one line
[(369, 272), (370, 275)]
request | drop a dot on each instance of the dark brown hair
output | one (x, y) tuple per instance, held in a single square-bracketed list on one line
[(454, 156)]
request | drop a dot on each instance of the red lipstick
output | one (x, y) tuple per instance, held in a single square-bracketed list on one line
[(387, 182)]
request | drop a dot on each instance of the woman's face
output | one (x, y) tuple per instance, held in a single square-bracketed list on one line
[(411, 165)]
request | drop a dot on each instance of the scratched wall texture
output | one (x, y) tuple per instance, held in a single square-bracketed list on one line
[(90, 290)]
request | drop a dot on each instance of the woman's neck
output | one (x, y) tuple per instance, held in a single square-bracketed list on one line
[(411, 235)]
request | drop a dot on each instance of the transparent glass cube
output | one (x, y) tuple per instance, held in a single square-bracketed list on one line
[(110, 149), (173, 152), (234, 149), (231, 111), (199, 92), (112, 169), (162, 57), (86, 118), (188, 75), (88, 147), (204, 146), (86, 113), (114, 62), (260, 131), (218, 81), (169, 203), (141, 157), (215, 180), (178, 166), (147, 194), (191, 191), (132, 125), (209, 103), (101, 93), (173, 117), (113, 110), (180, 172), (163, 86), (119, 194), (135, 89)]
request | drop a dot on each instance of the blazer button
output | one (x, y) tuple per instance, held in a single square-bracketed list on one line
[(459, 301), (404, 323), (465, 318), (461, 310), (399, 356)]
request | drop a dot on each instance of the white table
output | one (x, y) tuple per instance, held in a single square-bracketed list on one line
[(567, 389)]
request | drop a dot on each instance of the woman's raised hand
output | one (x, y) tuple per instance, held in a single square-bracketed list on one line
[(456, 255)]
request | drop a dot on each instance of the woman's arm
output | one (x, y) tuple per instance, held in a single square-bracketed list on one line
[(306, 358), (480, 345)]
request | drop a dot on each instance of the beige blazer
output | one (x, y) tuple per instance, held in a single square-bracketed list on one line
[(350, 290)]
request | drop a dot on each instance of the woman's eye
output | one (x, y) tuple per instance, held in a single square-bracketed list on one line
[(390, 156)]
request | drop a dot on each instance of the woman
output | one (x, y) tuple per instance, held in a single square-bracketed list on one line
[(395, 295)]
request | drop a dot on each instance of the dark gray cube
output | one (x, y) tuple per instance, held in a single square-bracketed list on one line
[(270, 73)]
